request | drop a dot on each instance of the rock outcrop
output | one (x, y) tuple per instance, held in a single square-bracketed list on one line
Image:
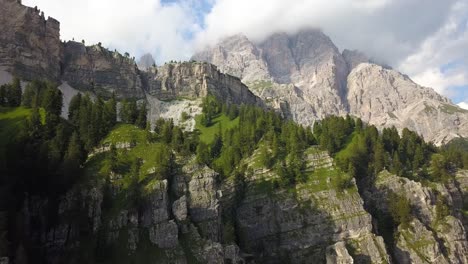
[(297, 225), (436, 233), (386, 98), (100, 71), (30, 44), (306, 78), (191, 80)]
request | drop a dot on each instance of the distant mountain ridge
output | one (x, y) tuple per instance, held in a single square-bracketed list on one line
[(306, 77)]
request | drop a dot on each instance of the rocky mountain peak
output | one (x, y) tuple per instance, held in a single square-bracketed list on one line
[(305, 77)]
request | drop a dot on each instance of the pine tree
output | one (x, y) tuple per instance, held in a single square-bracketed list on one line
[(379, 157), (177, 138), (129, 111), (203, 153), (73, 158), (113, 159), (110, 113), (3, 94), (397, 167), (15, 93), (74, 109), (52, 100), (34, 125), (141, 119), (29, 96), (400, 209), (216, 146)]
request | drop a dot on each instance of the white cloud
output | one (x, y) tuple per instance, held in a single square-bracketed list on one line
[(441, 62), (136, 27), (463, 105), (387, 30), (439, 81)]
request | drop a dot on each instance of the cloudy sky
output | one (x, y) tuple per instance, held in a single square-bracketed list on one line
[(426, 39)]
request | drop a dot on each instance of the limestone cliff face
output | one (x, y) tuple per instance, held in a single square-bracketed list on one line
[(196, 216), (278, 225), (306, 78), (30, 45), (101, 71), (387, 98), (194, 80), (434, 235)]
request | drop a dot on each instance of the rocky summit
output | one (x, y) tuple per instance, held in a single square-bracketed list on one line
[(281, 151), (305, 76)]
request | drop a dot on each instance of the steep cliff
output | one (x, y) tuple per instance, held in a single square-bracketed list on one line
[(30, 45), (387, 98), (436, 232), (100, 71), (193, 80), (195, 216)]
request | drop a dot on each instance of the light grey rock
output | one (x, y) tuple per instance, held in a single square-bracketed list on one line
[(417, 245), (338, 254), (386, 98), (179, 209), (158, 203), (102, 71), (435, 230), (30, 45), (203, 203), (302, 75), (368, 248)]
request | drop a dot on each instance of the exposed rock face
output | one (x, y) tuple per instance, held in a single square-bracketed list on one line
[(387, 98), (306, 78), (238, 56), (277, 226), (30, 45), (433, 235), (30, 48), (194, 80), (101, 71), (304, 75), (338, 254)]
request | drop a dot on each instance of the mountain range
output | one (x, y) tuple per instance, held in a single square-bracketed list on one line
[(154, 197), (306, 78)]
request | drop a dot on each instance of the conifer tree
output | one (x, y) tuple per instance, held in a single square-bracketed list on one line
[(141, 119), (74, 109), (73, 158), (203, 153), (3, 92), (14, 98)]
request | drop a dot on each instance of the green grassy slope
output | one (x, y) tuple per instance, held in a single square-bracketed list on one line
[(11, 119), (207, 133)]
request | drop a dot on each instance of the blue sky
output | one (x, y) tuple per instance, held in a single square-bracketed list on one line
[(426, 39)]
